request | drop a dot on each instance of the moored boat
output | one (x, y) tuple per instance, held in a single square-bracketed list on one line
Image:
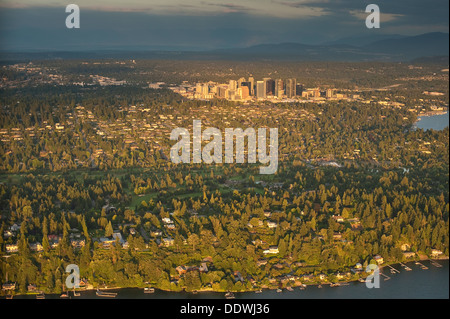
[(229, 295)]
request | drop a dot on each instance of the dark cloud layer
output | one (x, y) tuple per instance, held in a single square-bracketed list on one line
[(234, 26)]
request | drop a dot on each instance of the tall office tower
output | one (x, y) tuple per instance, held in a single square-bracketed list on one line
[(291, 87), (261, 89), (252, 85), (248, 85), (266, 80), (329, 93), (279, 88), (299, 89), (205, 90), (233, 85), (221, 92), (244, 92), (198, 88), (240, 81), (270, 87)]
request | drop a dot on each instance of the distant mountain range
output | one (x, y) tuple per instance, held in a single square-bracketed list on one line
[(378, 48), (383, 48)]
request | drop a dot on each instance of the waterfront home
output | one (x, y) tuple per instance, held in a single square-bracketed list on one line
[(181, 270), (203, 267), (405, 247), (307, 277), (10, 286), (31, 288), (408, 254), (238, 276), (378, 259), (436, 253)]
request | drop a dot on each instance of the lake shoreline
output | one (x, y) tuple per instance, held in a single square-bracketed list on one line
[(271, 288)]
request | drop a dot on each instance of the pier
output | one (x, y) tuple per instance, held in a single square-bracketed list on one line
[(421, 265), (393, 270), (406, 267), (435, 264), (106, 294), (386, 277)]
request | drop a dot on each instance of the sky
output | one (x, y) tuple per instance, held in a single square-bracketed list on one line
[(207, 24)]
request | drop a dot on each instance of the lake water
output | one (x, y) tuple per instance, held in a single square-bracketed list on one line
[(432, 283), (435, 122)]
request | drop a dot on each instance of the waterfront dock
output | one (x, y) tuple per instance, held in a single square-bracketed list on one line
[(406, 267), (385, 277), (435, 264), (421, 265), (106, 294), (393, 270)]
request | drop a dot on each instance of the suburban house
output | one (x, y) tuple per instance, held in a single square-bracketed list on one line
[(271, 224), (12, 248), (36, 247), (168, 241), (271, 250), (77, 243)]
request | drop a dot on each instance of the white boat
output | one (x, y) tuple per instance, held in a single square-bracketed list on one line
[(40, 296), (279, 290), (106, 294), (229, 295), (149, 290)]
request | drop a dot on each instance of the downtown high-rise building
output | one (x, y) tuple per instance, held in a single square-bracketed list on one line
[(252, 85), (279, 88), (270, 87), (232, 86), (261, 89), (291, 88)]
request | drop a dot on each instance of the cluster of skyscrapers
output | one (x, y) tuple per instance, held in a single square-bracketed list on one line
[(244, 89)]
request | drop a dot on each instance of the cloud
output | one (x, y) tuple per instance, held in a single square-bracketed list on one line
[(384, 17), (208, 24)]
